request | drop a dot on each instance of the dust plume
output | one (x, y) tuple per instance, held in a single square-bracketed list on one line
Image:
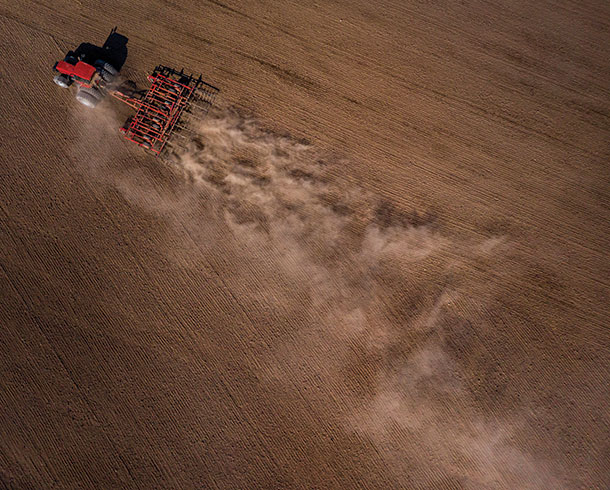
[(383, 299), (382, 308)]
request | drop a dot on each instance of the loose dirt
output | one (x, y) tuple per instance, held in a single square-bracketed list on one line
[(380, 261)]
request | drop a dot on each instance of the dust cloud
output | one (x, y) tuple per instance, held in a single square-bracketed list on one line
[(387, 305), (383, 295)]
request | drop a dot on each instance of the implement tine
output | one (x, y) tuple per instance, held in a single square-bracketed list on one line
[(173, 104), (184, 128)]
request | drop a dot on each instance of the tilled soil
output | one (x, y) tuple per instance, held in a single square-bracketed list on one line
[(380, 261)]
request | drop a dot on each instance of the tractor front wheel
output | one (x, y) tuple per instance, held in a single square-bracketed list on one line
[(62, 80)]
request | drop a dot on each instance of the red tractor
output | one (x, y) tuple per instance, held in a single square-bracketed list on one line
[(92, 80), (173, 100)]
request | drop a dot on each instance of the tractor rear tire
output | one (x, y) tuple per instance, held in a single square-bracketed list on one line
[(107, 76), (89, 96), (106, 71), (62, 80), (110, 69)]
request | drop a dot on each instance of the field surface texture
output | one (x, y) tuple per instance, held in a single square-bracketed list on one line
[(380, 262)]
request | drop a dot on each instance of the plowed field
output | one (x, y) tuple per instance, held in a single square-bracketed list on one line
[(380, 262)]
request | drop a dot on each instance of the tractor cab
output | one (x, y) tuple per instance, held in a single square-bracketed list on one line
[(92, 69), (92, 79), (73, 70)]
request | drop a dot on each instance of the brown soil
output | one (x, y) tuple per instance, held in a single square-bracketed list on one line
[(381, 262)]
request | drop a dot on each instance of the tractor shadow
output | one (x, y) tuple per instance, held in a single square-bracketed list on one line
[(114, 51)]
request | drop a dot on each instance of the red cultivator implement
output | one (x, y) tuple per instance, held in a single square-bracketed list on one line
[(172, 101)]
